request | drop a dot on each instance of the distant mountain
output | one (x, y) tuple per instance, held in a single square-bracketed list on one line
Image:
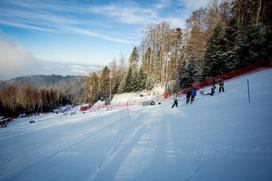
[(45, 81)]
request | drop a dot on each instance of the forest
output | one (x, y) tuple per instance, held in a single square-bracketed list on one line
[(221, 37), (218, 38), (39, 93)]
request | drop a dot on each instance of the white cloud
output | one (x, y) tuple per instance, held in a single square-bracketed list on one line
[(16, 61), (20, 25), (193, 4), (177, 22), (70, 17), (100, 36), (131, 14), (50, 18), (13, 56)]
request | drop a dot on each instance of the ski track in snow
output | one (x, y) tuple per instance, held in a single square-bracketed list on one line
[(58, 149), (125, 138), (170, 147), (216, 138), (140, 156)]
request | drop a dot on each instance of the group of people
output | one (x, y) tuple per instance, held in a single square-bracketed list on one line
[(190, 96), (221, 87), (191, 92)]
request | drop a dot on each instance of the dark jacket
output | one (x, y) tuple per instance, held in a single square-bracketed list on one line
[(221, 82), (189, 93)]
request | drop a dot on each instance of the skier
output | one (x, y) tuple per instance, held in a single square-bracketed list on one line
[(193, 94), (212, 90), (175, 98), (221, 85), (188, 95)]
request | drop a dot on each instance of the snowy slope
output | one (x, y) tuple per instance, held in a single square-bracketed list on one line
[(139, 97), (216, 138)]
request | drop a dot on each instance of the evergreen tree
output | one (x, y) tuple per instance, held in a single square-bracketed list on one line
[(190, 75), (135, 82), (142, 77), (129, 81), (115, 88), (181, 72), (212, 62), (150, 82), (254, 30), (134, 59), (122, 86)]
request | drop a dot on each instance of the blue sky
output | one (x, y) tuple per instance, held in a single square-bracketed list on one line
[(86, 31)]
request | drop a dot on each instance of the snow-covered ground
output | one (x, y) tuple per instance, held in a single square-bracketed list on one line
[(139, 97), (217, 138)]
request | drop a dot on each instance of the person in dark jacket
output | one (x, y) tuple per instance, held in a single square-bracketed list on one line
[(175, 98), (193, 94), (212, 90), (188, 95), (221, 85)]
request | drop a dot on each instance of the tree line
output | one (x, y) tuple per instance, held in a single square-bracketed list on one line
[(38, 94), (24, 99), (218, 38)]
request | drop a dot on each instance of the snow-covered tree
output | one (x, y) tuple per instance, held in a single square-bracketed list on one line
[(190, 74)]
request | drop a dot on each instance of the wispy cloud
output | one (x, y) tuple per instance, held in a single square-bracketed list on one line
[(131, 14), (20, 25), (50, 18), (101, 36), (192, 4), (54, 15), (134, 13), (93, 19)]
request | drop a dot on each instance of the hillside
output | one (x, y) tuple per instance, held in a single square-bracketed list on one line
[(220, 137), (37, 81)]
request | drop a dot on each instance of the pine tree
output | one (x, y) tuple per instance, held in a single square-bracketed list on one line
[(122, 86), (115, 88), (134, 59), (142, 77), (190, 74), (212, 63), (129, 81), (150, 82), (254, 30)]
